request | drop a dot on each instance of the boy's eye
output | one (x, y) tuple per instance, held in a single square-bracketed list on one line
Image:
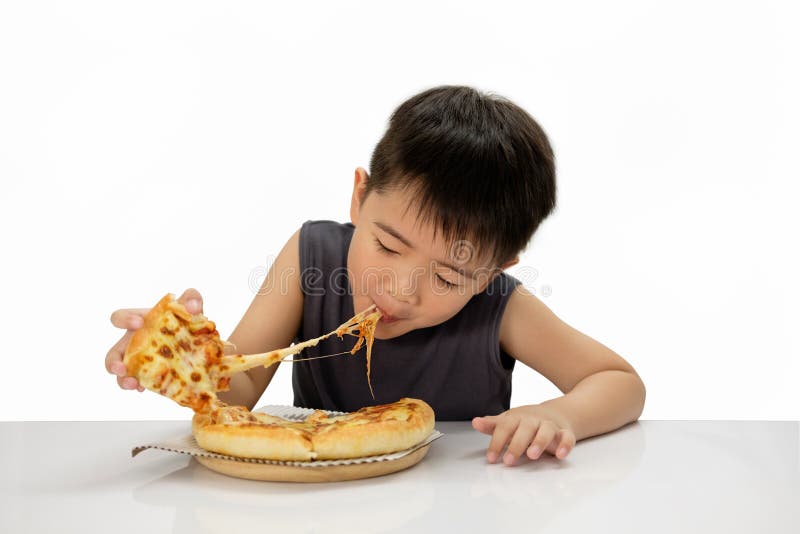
[(448, 284), (383, 248), (389, 252)]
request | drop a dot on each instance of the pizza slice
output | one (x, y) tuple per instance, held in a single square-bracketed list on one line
[(178, 355), (181, 356)]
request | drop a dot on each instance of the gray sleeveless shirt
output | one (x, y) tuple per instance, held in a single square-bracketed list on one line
[(457, 366)]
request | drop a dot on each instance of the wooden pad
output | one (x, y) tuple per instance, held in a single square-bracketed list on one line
[(289, 473)]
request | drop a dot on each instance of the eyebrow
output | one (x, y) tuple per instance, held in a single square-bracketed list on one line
[(394, 233)]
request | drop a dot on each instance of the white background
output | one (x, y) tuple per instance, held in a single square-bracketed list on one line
[(161, 145)]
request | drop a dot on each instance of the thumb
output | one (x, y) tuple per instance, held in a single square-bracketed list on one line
[(485, 425), (193, 301)]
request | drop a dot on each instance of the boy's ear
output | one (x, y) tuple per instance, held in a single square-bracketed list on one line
[(499, 270), (359, 185), (510, 263)]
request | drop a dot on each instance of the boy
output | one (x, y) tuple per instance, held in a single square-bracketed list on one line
[(459, 183)]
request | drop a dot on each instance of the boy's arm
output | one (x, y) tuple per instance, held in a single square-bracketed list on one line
[(271, 322), (602, 391)]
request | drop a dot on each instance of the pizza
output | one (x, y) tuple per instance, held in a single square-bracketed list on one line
[(181, 356), (369, 431)]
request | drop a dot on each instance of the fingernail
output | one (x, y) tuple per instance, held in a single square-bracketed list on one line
[(118, 369), (535, 451), (193, 305), (561, 452), (135, 322), (491, 457), (508, 459)]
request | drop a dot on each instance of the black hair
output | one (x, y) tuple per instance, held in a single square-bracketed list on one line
[(482, 168)]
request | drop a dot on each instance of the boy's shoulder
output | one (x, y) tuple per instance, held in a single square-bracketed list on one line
[(325, 230), (493, 301), (326, 224), (324, 244)]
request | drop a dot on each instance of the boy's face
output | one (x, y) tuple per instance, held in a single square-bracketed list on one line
[(394, 262)]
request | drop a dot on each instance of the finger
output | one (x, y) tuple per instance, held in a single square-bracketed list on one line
[(114, 363), (502, 432), (140, 389), (193, 301), (545, 435), (565, 444), (522, 438), (127, 382), (485, 425), (130, 318)]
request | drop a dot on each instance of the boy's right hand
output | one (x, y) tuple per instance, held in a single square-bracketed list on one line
[(131, 319)]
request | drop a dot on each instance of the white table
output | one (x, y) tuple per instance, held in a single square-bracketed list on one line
[(652, 476)]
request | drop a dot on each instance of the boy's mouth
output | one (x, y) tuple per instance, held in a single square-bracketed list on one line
[(386, 318)]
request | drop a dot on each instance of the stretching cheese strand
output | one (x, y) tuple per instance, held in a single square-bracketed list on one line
[(364, 322)]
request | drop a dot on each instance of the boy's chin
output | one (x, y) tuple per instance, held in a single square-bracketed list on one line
[(383, 331)]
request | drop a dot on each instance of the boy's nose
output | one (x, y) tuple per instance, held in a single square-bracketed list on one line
[(404, 300), (401, 298), (403, 287), (407, 292)]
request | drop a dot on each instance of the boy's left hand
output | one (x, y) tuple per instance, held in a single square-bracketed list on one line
[(531, 430)]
